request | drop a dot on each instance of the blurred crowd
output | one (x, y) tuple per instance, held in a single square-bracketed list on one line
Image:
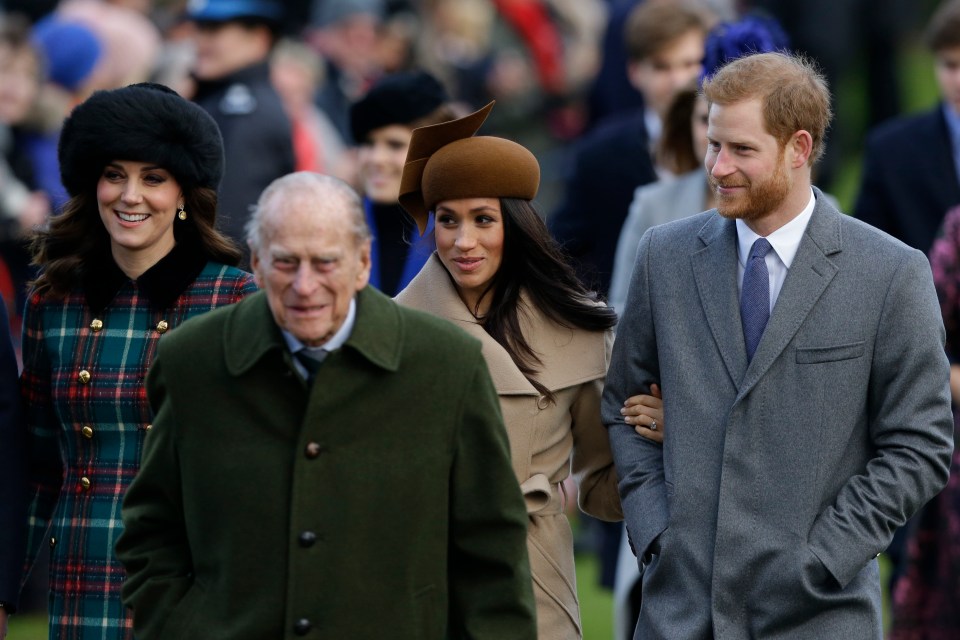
[(557, 68), (587, 85)]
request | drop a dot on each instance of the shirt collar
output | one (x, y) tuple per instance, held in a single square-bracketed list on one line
[(335, 342), (785, 240)]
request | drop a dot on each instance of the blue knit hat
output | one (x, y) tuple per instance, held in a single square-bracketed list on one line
[(70, 51)]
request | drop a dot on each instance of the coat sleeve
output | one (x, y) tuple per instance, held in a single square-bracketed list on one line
[(153, 546), (491, 594), (45, 465), (910, 428), (12, 470), (592, 461), (634, 366)]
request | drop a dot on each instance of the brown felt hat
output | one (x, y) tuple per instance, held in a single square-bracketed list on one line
[(447, 162)]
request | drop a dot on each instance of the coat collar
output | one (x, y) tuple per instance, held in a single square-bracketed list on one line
[(568, 356), (715, 272), (162, 283), (251, 333)]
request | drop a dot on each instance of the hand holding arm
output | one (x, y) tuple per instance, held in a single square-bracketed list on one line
[(645, 413)]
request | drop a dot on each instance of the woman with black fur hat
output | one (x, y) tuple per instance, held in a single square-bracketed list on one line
[(133, 254), (499, 275), (382, 123)]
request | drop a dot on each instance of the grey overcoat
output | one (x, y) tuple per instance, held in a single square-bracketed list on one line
[(780, 481)]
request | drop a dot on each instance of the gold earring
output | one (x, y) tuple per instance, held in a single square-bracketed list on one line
[(182, 214)]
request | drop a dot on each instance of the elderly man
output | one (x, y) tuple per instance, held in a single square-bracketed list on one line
[(800, 354), (323, 462)]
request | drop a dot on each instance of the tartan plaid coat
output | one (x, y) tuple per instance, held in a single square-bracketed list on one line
[(85, 361)]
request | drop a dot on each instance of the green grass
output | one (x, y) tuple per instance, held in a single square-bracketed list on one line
[(596, 603), (596, 606)]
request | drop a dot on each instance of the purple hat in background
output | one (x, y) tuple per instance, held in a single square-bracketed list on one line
[(754, 33)]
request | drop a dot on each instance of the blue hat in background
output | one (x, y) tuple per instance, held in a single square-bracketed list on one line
[(329, 12), (754, 33), (224, 10), (70, 50)]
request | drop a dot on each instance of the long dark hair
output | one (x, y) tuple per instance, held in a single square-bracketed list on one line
[(76, 238), (533, 262)]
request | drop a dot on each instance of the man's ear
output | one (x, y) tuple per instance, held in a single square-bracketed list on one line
[(800, 146), (255, 264), (365, 261)]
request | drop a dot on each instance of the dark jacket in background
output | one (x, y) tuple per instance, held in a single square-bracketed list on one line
[(909, 178), (607, 166), (13, 493), (257, 142)]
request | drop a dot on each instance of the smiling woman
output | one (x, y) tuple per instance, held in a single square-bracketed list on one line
[(499, 275), (133, 254)]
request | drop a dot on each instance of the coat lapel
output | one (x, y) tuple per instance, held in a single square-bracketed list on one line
[(715, 271), (809, 275)]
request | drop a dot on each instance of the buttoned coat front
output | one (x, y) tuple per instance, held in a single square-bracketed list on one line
[(376, 503), (86, 357), (548, 440), (779, 481)]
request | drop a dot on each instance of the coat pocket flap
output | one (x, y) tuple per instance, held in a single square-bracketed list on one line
[(812, 355)]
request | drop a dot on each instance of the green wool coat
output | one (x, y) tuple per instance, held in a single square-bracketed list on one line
[(380, 503)]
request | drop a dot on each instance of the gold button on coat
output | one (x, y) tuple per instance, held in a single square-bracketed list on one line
[(148, 427), (87, 431), (162, 326), (85, 483), (312, 450), (84, 376), (96, 325)]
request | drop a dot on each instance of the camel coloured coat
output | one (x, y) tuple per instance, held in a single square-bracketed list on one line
[(548, 440)]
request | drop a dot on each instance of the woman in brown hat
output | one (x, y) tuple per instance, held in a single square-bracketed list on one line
[(499, 275)]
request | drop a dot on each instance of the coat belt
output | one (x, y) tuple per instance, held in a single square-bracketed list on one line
[(542, 497)]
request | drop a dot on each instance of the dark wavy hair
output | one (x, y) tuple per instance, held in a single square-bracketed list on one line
[(76, 239), (534, 263)]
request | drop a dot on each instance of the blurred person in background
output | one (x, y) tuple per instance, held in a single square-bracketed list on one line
[(911, 165), (71, 52), (131, 42), (498, 275), (233, 40), (924, 598), (296, 73), (382, 124), (12, 477), (23, 204), (665, 40), (133, 254), (345, 33)]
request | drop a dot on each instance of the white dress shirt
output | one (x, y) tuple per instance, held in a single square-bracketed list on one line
[(785, 242), (336, 341)]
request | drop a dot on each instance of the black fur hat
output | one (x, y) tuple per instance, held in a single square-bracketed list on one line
[(143, 122), (401, 98)]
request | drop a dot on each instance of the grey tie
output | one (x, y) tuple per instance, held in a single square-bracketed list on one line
[(755, 296), (311, 359)]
